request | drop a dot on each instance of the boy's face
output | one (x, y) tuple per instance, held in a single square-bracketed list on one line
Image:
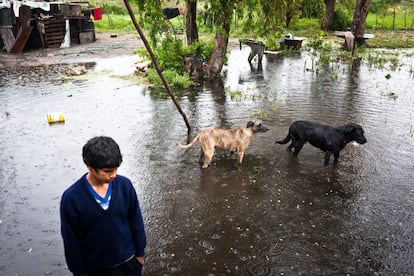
[(102, 176)]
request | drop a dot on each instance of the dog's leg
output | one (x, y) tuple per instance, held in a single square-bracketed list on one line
[(292, 145), (336, 156), (241, 155), (208, 156), (298, 146), (327, 157)]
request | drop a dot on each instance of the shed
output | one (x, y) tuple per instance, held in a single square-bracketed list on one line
[(33, 25)]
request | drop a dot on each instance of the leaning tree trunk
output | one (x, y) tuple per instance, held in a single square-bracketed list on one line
[(191, 22), (330, 11), (358, 25), (214, 65)]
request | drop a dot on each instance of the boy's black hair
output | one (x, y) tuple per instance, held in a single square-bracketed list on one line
[(102, 152)]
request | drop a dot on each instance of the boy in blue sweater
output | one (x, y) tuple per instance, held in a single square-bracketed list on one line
[(101, 222)]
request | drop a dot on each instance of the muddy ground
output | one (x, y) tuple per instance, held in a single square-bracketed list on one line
[(106, 44)]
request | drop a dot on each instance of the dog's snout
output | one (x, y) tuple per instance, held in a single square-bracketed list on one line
[(361, 140), (263, 128)]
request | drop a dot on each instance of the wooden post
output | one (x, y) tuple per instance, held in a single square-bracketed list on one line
[(155, 62), (24, 30)]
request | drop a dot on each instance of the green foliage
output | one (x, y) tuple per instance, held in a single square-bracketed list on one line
[(111, 8), (313, 9), (255, 19), (114, 22), (341, 20), (382, 60), (292, 12), (273, 41), (306, 24), (403, 20), (172, 77), (170, 54), (319, 50), (200, 49), (346, 6), (263, 18)]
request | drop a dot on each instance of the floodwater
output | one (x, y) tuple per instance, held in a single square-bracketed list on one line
[(272, 215)]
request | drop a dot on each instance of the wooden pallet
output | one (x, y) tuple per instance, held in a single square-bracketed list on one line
[(55, 29)]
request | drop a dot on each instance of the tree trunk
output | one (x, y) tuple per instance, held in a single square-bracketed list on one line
[(330, 11), (289, 17), (360, 15), (191, 22), (214, 65), (393, 20)]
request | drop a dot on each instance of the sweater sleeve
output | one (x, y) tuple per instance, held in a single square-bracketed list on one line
[(137, 225), (71, 240)]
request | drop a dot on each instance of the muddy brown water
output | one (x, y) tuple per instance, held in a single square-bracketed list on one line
[(273, 215)]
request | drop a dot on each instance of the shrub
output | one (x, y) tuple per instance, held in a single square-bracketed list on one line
[(172, 77), (341, 20), (108, 8), (200, 49)]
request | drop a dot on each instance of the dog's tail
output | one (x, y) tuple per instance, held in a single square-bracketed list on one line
[(195, 140), (286, 140)]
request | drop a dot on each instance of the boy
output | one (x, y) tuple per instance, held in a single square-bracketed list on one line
[(101, 222)]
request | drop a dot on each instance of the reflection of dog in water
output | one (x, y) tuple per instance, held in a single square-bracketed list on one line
[(329, 139), (235, 140)]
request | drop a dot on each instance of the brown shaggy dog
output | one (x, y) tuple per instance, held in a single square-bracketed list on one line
[(235, 140)]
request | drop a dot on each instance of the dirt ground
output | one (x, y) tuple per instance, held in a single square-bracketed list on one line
[(106, 44)]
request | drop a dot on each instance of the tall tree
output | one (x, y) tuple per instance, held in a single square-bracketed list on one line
[(360, 16), (292, 11), (265, 17), (223, 16), (191, 21), (329, 16)]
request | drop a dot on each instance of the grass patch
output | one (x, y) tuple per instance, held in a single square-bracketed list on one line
[(114, 23)]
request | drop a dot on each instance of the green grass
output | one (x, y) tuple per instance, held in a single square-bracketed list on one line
[(114, 23), (391, 39), (384, 37), (403, 21)]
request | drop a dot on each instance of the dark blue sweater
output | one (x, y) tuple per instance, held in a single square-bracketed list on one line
[(98, 238)]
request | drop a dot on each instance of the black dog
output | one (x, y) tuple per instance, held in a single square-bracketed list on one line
[(329, 139)]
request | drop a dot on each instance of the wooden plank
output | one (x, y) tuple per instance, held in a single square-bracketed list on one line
[(21, 40), (342, 34), (55, 30), (8, 38), (23, 34)]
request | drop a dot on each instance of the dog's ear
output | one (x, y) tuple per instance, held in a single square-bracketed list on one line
[(250, 124), (350, 128)]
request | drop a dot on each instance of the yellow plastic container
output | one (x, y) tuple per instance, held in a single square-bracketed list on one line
[(55, 117)]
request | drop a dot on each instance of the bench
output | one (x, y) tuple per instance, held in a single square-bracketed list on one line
[(342, 34), (350, 39), (293, 42)]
